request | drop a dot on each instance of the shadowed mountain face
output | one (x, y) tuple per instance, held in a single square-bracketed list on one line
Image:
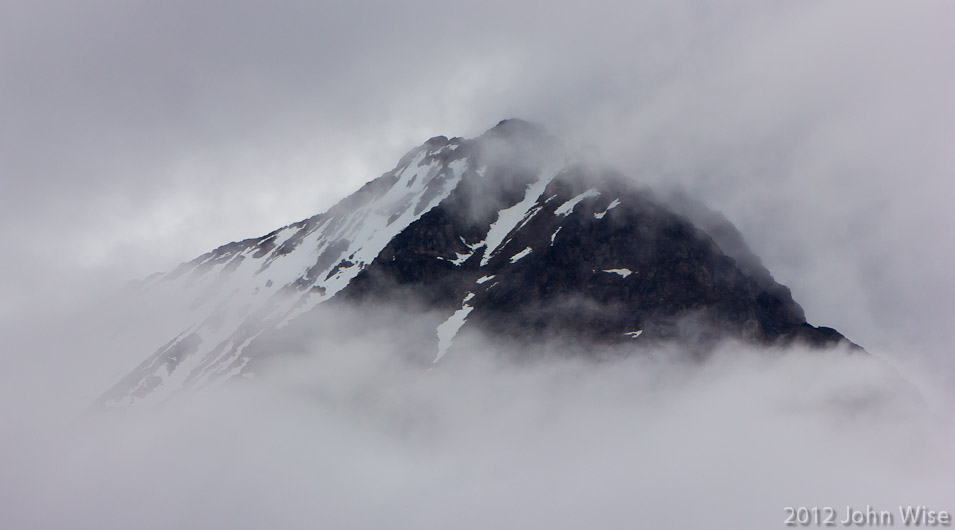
[(502, 236)]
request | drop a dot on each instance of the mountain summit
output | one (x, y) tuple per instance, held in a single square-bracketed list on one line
[(503, 236)]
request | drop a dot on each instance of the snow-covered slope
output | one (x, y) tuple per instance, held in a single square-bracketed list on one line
[(236, 291)]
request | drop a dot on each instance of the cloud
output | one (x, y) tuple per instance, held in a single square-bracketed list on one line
[(137, 136), (354, 435)]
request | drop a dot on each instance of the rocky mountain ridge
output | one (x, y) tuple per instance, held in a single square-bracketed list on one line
[(503, 236)]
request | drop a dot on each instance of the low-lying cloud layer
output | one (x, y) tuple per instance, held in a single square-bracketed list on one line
[(352, 435)]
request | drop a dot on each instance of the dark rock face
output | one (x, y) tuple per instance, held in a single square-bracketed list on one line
[(593, 275)]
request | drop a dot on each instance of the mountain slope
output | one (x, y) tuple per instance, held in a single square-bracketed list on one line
[(502, 236)]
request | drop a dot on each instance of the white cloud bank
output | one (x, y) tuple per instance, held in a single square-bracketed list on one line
[(355, 437)]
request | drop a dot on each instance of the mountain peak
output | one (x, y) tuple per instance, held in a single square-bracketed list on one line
[(499, 237), (513, 128), (516, 124)]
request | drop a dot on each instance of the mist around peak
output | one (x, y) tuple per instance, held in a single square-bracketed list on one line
[(355, 432), (137, 136)]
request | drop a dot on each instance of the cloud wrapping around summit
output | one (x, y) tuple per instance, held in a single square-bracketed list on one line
[(136, 136)]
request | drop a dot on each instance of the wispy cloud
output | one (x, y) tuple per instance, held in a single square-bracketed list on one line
[(137, 136)]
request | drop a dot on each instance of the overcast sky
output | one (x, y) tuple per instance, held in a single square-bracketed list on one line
[(136, 135)]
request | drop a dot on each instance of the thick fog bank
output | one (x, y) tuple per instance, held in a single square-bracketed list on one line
[(355, 437)]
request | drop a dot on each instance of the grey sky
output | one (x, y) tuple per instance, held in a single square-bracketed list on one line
[(136, 135)]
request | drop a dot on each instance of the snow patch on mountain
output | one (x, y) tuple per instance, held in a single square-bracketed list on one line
[(622, 272), (568, 207), (509, 218), (611, 206), (461, 257), (521, 254), (448, 329)]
